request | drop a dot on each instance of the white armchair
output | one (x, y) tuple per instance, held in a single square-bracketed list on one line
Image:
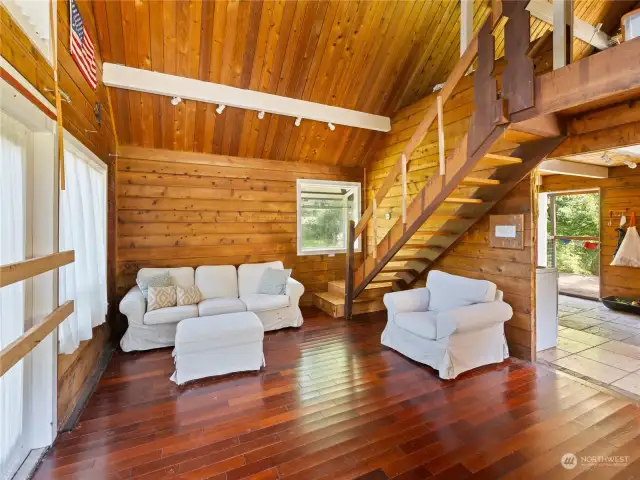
[(454, 324)]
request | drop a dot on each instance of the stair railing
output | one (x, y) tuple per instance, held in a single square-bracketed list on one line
[(434, 112)]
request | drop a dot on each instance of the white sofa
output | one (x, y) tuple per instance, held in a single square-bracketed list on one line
[(224, 290), (454, 324)]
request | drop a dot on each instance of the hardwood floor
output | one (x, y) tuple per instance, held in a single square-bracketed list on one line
[(332, 403)]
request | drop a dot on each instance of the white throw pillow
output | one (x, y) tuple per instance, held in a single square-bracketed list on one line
[(188, 296), (162, 280), (161, 297), (274, 282)]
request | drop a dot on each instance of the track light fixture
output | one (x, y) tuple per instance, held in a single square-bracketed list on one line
[(332, 127), (298, 120), (175, 101), (220, 108), (260, 115), (630, 164)]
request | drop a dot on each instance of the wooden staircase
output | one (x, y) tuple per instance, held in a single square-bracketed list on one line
[(370, 300), (488, 161)]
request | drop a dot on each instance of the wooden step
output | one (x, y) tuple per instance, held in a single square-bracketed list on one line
[(480, 182), (473, 201), (336, 287), (333, 304), (492, 160), (388, 269)]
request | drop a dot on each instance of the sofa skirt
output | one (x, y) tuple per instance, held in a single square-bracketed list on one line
[(147, 337), (453, 355), (221, 361)]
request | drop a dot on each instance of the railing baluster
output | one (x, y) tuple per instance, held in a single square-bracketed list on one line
[(375, 228), (404, 192), (348, 279), (441, 135)]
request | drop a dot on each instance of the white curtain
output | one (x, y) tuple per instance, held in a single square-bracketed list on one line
[(83, 216), (13, 158)]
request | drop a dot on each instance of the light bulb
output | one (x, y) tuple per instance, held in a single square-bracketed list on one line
[(332, 127), (298, 120), (260, 115)]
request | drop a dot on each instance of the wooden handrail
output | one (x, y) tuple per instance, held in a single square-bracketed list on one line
[(16, 272), (18, 349), (461, 67)]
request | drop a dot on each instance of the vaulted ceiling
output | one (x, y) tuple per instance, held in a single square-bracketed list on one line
[(373, 56)]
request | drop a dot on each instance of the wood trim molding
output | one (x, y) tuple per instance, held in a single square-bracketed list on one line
[(7, 77), (16, 272), (16, 350)]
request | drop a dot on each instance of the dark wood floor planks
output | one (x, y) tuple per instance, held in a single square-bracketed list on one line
[(332, 403)]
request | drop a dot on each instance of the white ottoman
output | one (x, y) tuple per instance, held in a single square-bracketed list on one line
[(217, 345)]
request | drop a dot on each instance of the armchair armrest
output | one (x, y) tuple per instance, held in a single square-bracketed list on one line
[(134, 306), (295, 290), (472, 317), (414, 300)]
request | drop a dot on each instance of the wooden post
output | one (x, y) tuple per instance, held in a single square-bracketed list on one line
[(441, 135), (60, 129), (404, 192), (348, 279), (562, 33), (375, 228)]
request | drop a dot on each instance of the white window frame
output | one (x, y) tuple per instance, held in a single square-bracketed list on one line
[(357, 186), (21, 19)]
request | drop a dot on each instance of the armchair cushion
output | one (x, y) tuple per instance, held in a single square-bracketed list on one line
[(472, 317), (414, 300), (218, 306), (219, 281), (422, 324), (452, 291), (261, 303), (170, 314)]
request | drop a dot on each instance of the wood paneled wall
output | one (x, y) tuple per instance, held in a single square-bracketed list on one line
[(191, 209), (621, 190), (80, 121)]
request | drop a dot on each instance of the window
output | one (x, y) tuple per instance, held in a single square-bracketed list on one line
[(33, 18), (83, 220), (324, 211)]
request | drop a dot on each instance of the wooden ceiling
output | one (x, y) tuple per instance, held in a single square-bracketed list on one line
[(373, 56)]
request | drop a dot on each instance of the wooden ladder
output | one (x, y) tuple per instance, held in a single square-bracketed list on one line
[(488, 161)]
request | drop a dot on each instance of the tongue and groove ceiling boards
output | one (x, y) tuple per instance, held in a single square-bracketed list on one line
[(372, 56)]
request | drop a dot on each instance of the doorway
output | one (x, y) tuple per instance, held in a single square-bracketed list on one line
[(573, 242)]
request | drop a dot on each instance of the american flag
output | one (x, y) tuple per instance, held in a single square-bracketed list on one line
[(82, 47)]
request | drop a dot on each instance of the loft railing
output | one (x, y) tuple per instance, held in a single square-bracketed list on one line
[(434, 112), (16, 272)]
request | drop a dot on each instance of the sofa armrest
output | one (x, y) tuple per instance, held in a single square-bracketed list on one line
[(295, 290), (134, 306), (414, 300), (472, 317)]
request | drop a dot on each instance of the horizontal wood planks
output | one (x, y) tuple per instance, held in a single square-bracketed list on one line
[(333, 404), (79, 119), (618, 192), (190, 209)]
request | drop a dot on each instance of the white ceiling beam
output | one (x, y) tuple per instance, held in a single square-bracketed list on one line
[(466, 24), (586, 32), (564, 167), (146, 81)]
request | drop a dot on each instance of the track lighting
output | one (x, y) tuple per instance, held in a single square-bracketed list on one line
[(332, 127), (220, 108), (175, 101), (260, 115), (630, 164), (298, 120)]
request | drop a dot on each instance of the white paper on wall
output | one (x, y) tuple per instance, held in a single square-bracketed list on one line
[(506, 231)]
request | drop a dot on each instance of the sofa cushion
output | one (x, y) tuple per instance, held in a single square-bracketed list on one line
[(250, 276), (274, 281), (161, 280), (207, 333), (170, 315), (217, 281), (260, 303), (182, 276), (451, 291), (161, 297), (217, 306), (422, 324)]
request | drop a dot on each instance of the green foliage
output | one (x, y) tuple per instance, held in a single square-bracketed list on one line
[(322, 224), (577, 216)]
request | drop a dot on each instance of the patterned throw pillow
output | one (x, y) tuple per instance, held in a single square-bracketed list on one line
[(161, 297), (162, 280), (274, 282), (188, 296)]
